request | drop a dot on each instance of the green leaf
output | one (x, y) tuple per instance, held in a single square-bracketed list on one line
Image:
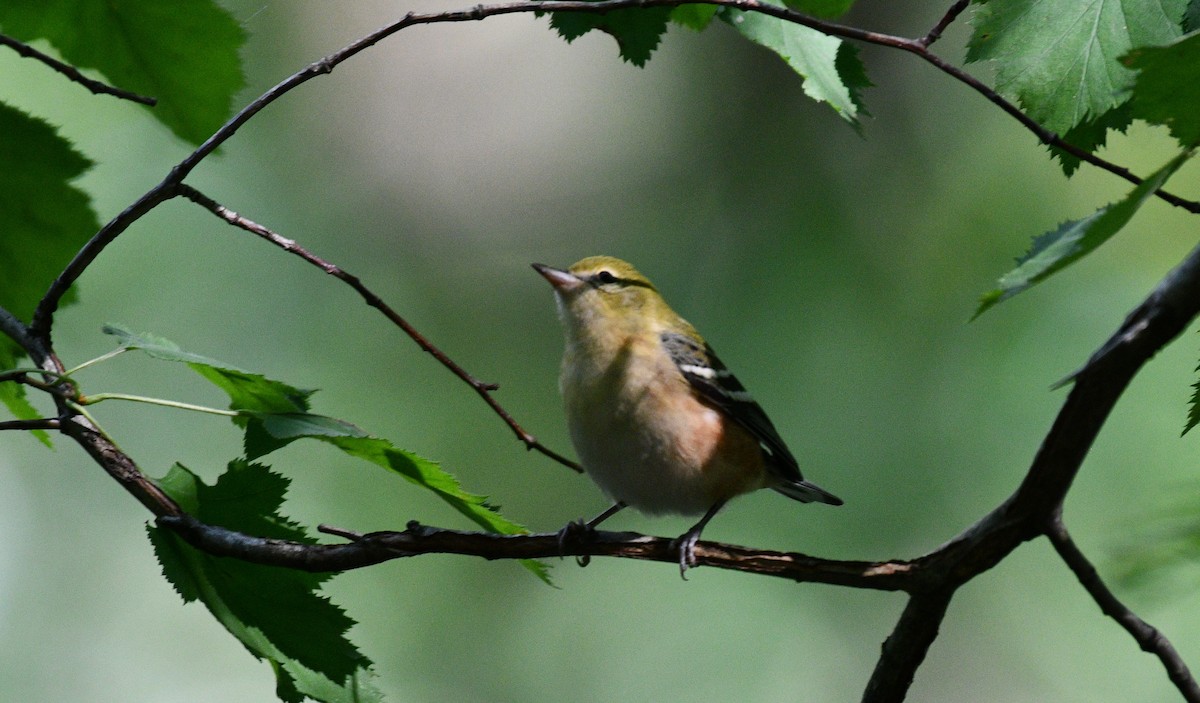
[(276, 613), (283, 429), (695, 17), (248, 392), (275, 414), (1191, 17), (44, 219), (1090, 135), (1193, 408), (637, 30), (821, 8), (12, 394), (183, 52), (831, 70), (1167, 90), (1055, 250), (1059, 58)]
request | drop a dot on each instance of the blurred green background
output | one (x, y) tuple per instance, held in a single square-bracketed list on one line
[(835, 273)]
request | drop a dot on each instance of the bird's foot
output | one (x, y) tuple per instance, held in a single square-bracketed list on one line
[(577, 531), (686, 544)]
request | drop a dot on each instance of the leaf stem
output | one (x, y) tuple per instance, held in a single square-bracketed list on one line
[(97, 360), (98, 397)]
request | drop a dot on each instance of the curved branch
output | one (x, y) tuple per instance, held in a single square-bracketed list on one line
[(1147, 636), (73, 73), (289, 245)]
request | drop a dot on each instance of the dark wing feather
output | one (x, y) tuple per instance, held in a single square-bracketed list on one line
[(717, 384)]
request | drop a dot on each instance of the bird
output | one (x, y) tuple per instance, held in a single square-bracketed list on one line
[(658, 421)]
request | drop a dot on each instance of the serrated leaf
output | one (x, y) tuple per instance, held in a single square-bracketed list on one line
[(637, 30), (44, 219), (831, 71), (1167, 90), (276, 613), (1090, 135), (1055, 250), (184, 52), (416, 469), (694, 17), (1059, 58), (248, 392), (1193, 417), (275, 414)]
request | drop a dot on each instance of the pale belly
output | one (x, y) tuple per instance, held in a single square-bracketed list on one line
[(663, 451)]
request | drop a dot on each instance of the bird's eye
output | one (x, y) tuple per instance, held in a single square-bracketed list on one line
[(606, 277)]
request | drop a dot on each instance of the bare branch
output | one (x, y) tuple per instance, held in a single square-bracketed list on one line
[(951, 14), (376, 547), (905, 648), (482, 388), (41, 423), (1148, 637), (73, 73)]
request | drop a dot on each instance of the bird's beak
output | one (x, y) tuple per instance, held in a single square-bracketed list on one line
[(563, 281)]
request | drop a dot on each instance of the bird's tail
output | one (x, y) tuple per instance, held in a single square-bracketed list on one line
[(806, 492)]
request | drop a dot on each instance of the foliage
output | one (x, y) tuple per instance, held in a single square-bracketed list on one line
[(1079, 70)]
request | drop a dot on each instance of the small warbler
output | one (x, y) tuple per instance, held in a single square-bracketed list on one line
[(658, 422)]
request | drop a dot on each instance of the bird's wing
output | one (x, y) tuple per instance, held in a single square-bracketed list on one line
[(717, 385)]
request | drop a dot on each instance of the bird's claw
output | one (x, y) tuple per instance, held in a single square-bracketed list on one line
[(686, 544), (576, 531)]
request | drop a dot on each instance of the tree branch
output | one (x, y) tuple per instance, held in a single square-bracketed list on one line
[(947, 19), (73, 73), (1147, 636), (484, 390), (905, 648), (376, 547), (41, 423)]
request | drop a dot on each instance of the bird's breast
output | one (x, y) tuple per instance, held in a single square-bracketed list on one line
[(646, 439)]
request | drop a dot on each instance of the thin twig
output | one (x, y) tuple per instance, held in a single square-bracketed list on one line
[(951, 14), (41, 423), (73, 73), (1147, 636), (483, 388)]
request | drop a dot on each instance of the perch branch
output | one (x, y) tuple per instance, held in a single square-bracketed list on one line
[(372, 548)]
